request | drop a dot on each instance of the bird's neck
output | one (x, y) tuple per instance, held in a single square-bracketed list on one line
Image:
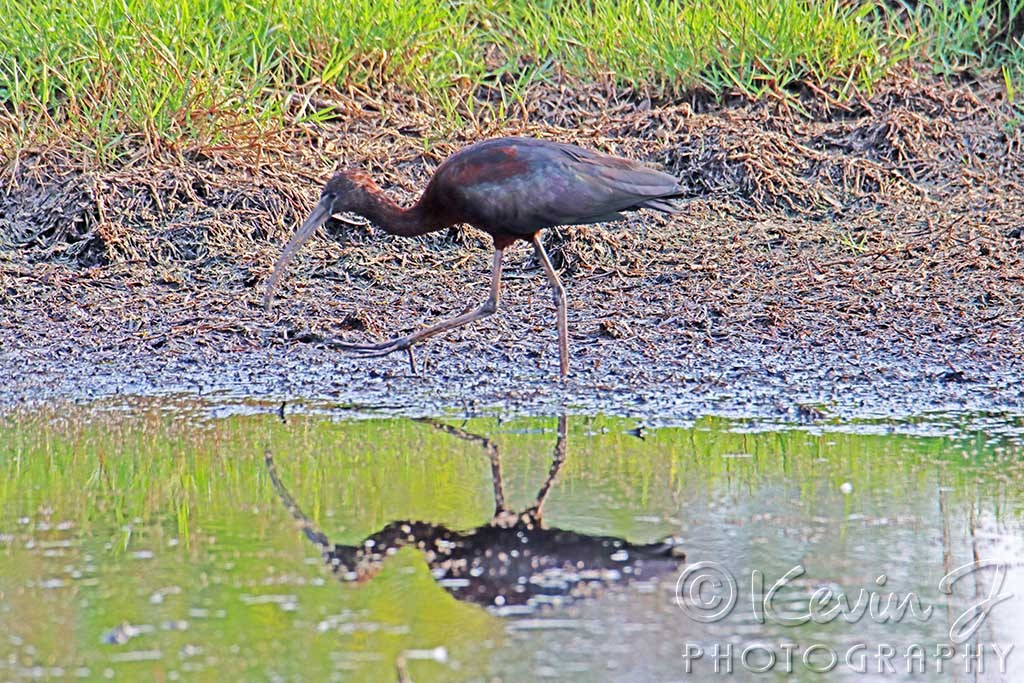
[(397, 220)]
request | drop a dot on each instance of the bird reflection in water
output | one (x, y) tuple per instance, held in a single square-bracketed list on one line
[(513, 564)]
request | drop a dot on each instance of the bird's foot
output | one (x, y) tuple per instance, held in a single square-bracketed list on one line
[(379, 349), (373, 350)]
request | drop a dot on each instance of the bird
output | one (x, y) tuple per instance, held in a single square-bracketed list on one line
[(511, 188)]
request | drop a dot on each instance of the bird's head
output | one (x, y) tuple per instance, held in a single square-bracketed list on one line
[(347, 191)]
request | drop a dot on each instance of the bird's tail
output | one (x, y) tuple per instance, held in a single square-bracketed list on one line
[(663, 204)]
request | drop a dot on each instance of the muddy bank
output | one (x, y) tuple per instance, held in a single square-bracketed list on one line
[(793, 384), (861, 259)]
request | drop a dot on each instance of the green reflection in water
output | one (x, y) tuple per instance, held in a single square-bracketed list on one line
[(162, 516)]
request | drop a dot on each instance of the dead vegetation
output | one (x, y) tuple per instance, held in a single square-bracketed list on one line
[(897, 220)]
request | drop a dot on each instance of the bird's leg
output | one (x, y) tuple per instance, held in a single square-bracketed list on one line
[(559, 290), (556, 465), (500, 511), (400, 343)]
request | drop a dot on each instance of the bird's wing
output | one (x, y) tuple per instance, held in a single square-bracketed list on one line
[(582, 186), (521, 186), (620, 180)]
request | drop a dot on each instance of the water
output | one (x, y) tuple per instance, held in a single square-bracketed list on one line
[(147, 540)]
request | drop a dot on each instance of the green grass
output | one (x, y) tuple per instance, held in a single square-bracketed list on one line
[(190, 72), (961, 34), (111, 75), (958, 36)]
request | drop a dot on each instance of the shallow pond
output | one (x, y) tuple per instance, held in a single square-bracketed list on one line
[(155, 540)]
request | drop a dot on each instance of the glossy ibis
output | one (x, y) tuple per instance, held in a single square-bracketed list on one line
[(511, 188)]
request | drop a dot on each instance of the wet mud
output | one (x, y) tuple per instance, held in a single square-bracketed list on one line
[(830, 261)]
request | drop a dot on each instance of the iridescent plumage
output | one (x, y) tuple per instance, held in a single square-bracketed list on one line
[(511, 188)]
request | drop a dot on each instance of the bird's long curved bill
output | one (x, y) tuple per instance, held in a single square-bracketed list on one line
[(318, 217)]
